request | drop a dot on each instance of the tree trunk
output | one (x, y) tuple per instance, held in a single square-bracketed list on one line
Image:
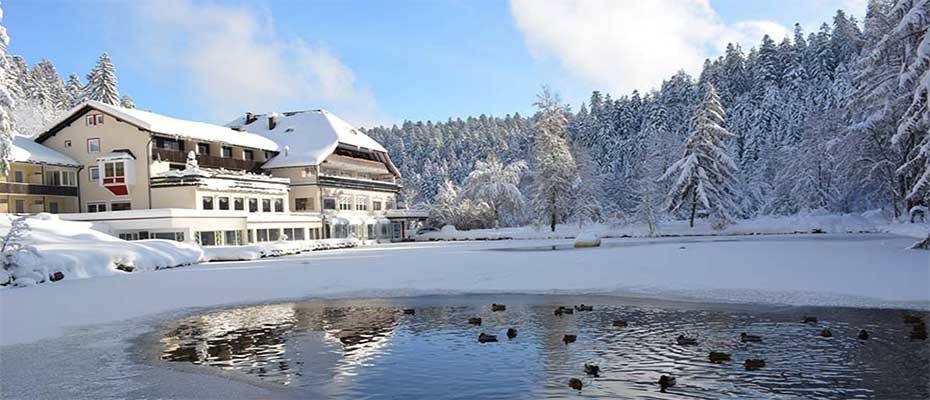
[(552, 222), (693, 208)]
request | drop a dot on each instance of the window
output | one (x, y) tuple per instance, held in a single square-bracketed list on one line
[(53, 178), (206, 238), (238, 204), (345, 203), (299, 234), (253, 205), (203, 148), (169, 144), (18, 177), (178, 236), (224, 203), (67, 143), (288, 234), (248, 155), (278, 205), (94, 174), (120, 206), (300, 204), (261, 235), (129, 236), (361, 203), (20, 206), (269, 154), (96, 207), (93, 145), (266, 205), (114, 170), (233, 238), (207, 203), (274, 235), (226, 152), (68, 178), (371, 231), (53, 207), (329, 203), (93, 119), (376, 205), (389, 205)]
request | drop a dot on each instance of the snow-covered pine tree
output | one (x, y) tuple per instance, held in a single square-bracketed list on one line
[(556, 171), (102, 83), (589, 188), (127, 102), (75, 89), (496, 184), (7, 102), (705, 175)]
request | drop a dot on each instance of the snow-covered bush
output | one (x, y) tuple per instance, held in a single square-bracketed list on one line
[(13, 253)]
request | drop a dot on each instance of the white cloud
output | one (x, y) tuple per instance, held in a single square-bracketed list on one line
[(631, 44), (232, 61)]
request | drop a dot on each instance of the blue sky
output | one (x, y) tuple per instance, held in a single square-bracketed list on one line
[(384, 62)]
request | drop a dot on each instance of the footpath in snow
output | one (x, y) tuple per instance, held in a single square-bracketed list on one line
[(870, 270)]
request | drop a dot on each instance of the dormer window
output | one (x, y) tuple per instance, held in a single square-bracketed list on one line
[(203, 148)]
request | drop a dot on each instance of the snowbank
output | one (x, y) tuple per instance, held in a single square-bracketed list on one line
[(814, 222), (77, 251), (587, 239)]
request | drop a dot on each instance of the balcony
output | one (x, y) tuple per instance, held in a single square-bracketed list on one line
[(38, 190), (206, 161), (356, 183)]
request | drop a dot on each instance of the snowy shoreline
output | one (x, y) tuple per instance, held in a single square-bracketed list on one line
[(838, 270)]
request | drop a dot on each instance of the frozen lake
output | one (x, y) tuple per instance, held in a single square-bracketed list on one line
[(81, 338)]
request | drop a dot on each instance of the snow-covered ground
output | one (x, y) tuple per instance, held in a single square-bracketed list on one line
[(873, 270), (813, 222)]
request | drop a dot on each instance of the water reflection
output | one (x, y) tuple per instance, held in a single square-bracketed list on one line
[(370, 349)]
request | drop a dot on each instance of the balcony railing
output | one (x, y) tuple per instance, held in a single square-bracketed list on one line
[(39, 190), (361, 184), (206, 161)]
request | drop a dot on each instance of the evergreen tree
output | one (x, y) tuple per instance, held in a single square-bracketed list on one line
[(101, 82), (7, 103), (705, 173), (127, 102), (75, 89)]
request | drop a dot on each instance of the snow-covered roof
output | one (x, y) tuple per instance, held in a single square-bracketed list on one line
[(27, 150), (308, 137), (172, 126)]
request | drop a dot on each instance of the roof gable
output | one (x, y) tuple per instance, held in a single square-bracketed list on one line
[(164, 125)]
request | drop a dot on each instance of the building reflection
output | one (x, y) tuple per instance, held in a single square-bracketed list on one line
[(254, 339)]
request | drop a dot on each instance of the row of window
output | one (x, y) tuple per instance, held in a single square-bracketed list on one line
[(53, 178), (178, 236), (101, 206), (239, 204), (345, 203), (204, 149), (234, 238), (19, 205)]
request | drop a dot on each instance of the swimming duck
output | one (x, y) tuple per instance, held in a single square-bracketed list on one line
[(665, 382), (593, 370), (825, 333), (564, 310), (474, 320), (718, 357), (809, 320), (584, 308), (409, 311), (511, 333), (498, 307), (863, 334), (686, 341), (620, 323), (743, 337), (569, 338), (575, 383), (485, 338), (919, 332), (754, 364)]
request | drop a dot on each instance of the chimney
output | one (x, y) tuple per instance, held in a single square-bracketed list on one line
[(249, 118), (272, 121)]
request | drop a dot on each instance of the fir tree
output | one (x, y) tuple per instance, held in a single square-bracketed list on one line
[(101, 82), (7, 103), (705, 173), (75, 89)]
